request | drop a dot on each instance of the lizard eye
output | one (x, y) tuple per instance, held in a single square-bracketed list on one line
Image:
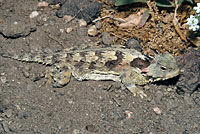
[(163, 68)]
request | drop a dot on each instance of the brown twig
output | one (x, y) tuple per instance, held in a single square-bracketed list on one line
[(49, 35), (175, 23), (75, 16)]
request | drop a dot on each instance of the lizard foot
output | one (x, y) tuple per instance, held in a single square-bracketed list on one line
[(137, 91)]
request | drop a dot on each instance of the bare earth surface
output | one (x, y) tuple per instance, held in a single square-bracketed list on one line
[(88, 107)]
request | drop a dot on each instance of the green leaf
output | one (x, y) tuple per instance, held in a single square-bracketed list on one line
[(190, 1), (125, 2), (164, 3), (179, 2)]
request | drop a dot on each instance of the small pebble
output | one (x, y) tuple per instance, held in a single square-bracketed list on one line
[(111, 102), (133, 43), (44, 19), (157, 110), (82, 23), (169, 89), (62, 30), (67, 18), (76, 131), (3, 79), (5, 126), (92, 31), (8, 113), (70, 102), (2, 74), (91, 128), (69, 29), (98, 25), (129, 114), (107, 39), (34, 14), (15, 22), (25, 73), (42, 4)]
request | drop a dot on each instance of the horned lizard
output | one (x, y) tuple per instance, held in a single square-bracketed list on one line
[(116, 63)]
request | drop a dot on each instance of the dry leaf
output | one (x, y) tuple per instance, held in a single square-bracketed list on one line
[(132, 20)]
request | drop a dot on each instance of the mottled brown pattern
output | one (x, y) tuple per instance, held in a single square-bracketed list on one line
[(79, 64), (98, 53), (69, 57), (92, 65), (139, 63), (114, 63)]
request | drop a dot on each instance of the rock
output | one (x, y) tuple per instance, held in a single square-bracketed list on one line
[(4, 102), (42, 4), (3, 79), (98, 25), (189, 79), (33, 14), (84, 9), (129, 114), (92, 31), (133, 43), (157, 110), (69, 29), (26, 73), (107, 39), (15, 29), (82, 23), (68, 18), (5, 126), (8, 113), (91, 128), (62, 30), (77, 131)]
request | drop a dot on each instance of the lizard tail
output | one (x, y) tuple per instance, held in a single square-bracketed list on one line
[(46, 59)]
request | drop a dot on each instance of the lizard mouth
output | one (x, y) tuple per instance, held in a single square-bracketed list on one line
[(166, 76), (172, 74)]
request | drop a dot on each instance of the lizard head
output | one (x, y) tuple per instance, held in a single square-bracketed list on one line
[(163, 67)]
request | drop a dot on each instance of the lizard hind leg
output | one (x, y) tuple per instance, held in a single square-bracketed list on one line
[(59, 77)]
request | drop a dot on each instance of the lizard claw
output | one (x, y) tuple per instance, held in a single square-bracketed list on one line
[(137, 91)]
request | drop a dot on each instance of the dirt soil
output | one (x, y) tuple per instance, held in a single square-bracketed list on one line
[(29, 106)]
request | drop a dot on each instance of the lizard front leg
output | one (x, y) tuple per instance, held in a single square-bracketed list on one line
[(130, 77)]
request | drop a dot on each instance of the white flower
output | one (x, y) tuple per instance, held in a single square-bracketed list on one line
[(197, 9), (192, 20), (194, 27)]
